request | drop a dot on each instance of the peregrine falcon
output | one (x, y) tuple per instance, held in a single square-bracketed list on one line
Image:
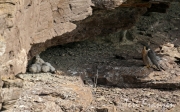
[(149, 58)]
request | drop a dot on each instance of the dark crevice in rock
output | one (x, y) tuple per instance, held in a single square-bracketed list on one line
[(159, 7)]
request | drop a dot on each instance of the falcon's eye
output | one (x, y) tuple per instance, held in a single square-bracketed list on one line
[(147, 48)]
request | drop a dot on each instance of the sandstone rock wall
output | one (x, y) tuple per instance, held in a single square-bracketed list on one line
[(26, 22)]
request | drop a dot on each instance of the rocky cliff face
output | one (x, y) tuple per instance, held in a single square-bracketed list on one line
[(24, 23), (32, 25)]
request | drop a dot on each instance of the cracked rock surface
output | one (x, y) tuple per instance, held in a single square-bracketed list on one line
[(110, 63), (61, 93), (46, 92)]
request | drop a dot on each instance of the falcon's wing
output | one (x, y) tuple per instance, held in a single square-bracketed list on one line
[(153, 57)]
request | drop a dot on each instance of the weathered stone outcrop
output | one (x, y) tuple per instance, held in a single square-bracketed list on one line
[(24, 23), (46, 92), (30, 26), (27, 23)]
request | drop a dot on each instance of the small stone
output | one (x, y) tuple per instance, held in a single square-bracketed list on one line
[(169, 45), (175, 28), (177, 73), (162, 100), (172, 71), (101, 98)]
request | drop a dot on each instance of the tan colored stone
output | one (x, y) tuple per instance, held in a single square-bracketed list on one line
[(10, 94), (27, 22), (48, 92)]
